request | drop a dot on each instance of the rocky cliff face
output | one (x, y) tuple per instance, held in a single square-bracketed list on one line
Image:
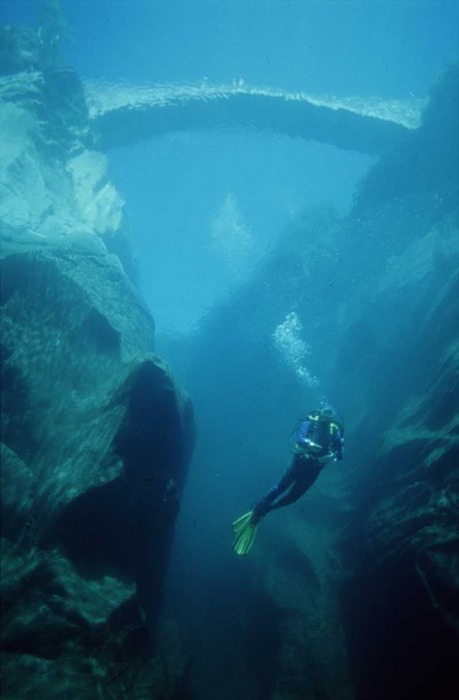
[(96, 434), (399, 362), (361, 579), (401, 602)]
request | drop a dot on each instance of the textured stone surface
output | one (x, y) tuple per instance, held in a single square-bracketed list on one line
[(125, 114), (54, 188), (96, 434), (358, 583)]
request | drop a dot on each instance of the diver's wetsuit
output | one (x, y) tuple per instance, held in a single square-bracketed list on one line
[(303, 468)]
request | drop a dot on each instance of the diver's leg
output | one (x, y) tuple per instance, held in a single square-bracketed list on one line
[(304, 480), (286, 480)]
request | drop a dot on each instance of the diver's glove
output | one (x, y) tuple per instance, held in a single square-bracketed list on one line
[(329, 457), (307, 447)]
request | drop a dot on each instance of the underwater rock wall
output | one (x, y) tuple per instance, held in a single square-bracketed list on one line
[(360, 579), (398, 364), (403, 542), (96, 434)]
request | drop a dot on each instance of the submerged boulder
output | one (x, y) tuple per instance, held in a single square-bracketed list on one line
[(96, 434)]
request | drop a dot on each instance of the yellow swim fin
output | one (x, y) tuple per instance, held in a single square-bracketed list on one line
[(242, 522), (245, 532)]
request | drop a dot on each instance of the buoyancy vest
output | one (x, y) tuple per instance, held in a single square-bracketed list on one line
[(324, 436)]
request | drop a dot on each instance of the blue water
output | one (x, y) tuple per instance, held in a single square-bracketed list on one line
[(341, 46), (205, 209), (176, 186)]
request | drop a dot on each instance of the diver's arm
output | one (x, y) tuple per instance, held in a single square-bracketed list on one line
[(338, 448), (302, 433)]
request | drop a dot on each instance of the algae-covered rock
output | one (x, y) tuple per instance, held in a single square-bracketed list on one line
[(96, 439)]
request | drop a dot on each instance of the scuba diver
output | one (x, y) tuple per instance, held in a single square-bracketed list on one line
[(318, 439)]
